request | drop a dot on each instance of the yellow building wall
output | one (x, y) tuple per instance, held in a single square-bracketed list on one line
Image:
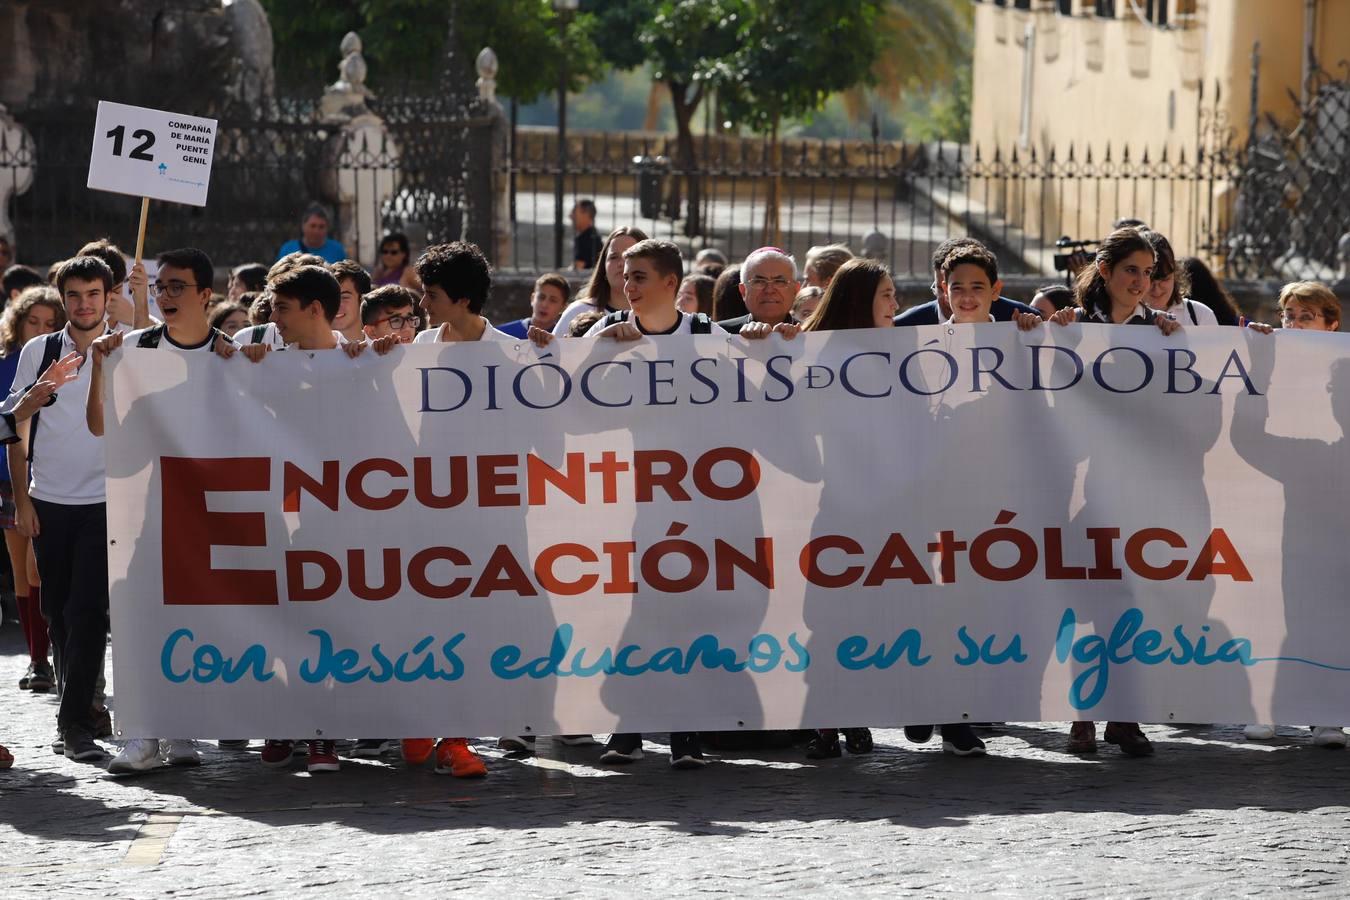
[(1100, 83)]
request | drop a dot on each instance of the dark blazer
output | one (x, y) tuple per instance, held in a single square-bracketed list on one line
[(1002, 310), (734, 326)]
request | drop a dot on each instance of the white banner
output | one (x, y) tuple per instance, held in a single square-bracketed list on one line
[(854, 528)]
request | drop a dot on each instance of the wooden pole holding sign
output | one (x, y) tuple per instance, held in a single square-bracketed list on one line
[(140, 231)]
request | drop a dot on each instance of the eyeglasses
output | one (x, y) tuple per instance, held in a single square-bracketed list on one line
[(398, 323), (1305, 319), (759, 282), (172, 290)]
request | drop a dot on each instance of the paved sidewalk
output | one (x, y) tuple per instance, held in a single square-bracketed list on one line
[(1210, 815)]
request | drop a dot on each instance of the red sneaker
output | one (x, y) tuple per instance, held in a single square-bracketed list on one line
[(276, 754), (455, 757), (323, 757), (418, 750)]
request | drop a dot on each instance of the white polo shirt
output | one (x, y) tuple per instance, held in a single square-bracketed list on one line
[(67, 464), (490, 333)]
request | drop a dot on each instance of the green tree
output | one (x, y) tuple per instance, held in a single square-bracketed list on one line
[(405, 41), (792, 55), (686, 43), (768, 60)]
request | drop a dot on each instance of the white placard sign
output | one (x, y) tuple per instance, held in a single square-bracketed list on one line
[(152, 153)]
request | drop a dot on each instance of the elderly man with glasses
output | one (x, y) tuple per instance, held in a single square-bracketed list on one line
[(768, 285)]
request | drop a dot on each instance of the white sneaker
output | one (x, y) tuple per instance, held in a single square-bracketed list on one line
[(1328, 736), (183, 752), (1259, 732), (139, 755)]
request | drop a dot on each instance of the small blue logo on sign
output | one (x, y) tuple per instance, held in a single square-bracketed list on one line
[(163, 168)]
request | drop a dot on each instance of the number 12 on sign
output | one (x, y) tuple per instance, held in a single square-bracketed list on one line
[(141, 151)]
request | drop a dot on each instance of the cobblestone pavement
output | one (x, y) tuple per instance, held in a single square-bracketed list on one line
[(1210, 815)]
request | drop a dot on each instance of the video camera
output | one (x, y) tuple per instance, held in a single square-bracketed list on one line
[(1074, 247)]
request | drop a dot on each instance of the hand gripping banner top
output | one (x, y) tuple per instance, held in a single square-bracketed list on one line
[(853, 528)]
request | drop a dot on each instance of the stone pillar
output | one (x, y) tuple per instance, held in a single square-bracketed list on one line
[(360, 172), (16, 170), (490, 209)]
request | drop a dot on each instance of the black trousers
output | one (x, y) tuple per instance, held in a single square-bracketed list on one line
[(71, 548)]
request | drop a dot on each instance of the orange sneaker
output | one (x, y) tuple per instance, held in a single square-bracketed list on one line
[(417, 750), (455, 757)]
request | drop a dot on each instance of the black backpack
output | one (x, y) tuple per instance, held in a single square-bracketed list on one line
[(701, 324), (151, 336)]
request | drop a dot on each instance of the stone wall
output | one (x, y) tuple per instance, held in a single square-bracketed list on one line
[(57, 55)]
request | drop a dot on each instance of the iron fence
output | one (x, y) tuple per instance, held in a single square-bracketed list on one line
[(265, 171), (1276, 206), (893, 201)]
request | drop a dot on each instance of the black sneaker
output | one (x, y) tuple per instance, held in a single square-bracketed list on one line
[(27, 678), (918, 734), (79, 745), (622, 749), (685, 752), (42, 680), (960, 740), (824, 745), (857, 740), (370, 748)]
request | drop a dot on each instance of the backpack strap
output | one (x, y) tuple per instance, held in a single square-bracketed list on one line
[(614, 318), (701, 324), (1190, 308), (51, 352), (255, 334), (150, 337)]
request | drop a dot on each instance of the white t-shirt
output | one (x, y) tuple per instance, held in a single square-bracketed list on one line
[(684, 326), (433, 335), (67, 464)]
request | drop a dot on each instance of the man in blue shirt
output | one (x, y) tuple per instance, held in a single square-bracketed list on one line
[(314, 237)]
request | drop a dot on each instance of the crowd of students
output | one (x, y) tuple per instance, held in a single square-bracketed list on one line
[(52, 504)]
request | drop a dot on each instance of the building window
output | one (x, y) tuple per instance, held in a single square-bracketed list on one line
[(1065, 7), (1106, 9), (1156, 11)]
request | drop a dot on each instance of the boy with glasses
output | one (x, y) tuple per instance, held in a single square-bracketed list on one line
[(391, 309), (183, 288)]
